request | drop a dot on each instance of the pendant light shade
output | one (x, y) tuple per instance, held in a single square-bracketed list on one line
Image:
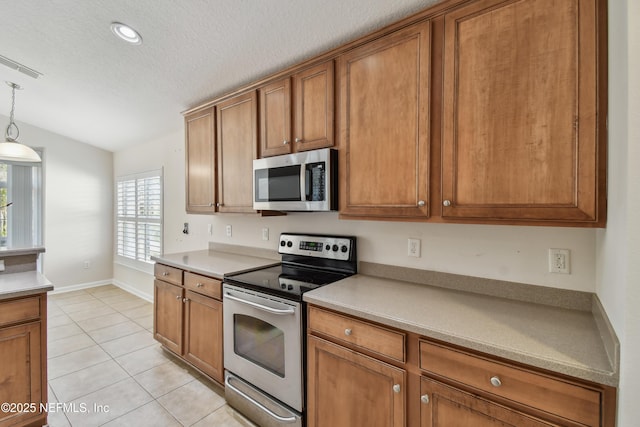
[(12, 150)]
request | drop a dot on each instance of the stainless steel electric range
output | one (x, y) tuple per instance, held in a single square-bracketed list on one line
[(264, 326)]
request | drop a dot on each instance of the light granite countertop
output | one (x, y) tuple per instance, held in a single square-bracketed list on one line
[(214, 263), (21, 284), (562, 340)]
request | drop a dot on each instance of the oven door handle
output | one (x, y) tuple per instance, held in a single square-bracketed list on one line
[(286, 420), (281, 312)]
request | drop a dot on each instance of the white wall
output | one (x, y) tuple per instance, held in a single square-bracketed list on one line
[(500, 252), (618, 246), (78, 208)]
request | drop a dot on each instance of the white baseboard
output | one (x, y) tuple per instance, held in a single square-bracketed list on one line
[(132, 290), (118, 283), (63, 289)]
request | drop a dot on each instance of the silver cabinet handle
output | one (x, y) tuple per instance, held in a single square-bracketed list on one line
[(396, 388), (495, 381), (424, 398), (298, 140), (260, 306), (446, 203), (347, 332), (178, 297), (165, 273), (184, 300), (421, 203), (285, 142), (198, 285), (286, 420)]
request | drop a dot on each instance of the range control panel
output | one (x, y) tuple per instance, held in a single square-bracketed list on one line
[(328, 247)]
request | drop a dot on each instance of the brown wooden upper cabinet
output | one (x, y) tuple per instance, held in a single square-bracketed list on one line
[(237, 147), (384, 125), (200, 161), (312, 111), (521, 119)]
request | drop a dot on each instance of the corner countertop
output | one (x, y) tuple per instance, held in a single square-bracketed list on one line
[(562, 340), (214, 263), (22, 284), (7, 252)]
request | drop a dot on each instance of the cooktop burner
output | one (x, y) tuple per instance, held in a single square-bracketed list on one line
[(308, 262)]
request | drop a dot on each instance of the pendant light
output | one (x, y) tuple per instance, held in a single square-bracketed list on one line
[(12, 150)]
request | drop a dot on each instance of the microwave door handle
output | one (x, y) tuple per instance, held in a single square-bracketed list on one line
[(277, 311), (304, 182)]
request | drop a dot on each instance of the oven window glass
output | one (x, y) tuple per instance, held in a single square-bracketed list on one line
[(278, 184), (260, 342)]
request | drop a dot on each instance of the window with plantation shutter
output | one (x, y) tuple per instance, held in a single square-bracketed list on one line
[(139, 216)]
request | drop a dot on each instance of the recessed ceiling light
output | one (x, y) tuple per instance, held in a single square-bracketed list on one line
[(126, 33)]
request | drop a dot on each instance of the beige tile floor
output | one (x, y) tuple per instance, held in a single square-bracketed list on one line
[(105, 368)]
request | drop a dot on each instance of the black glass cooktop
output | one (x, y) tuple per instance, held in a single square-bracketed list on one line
[(285, 280)]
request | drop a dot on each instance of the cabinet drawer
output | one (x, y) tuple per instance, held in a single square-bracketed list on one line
[(19, 310), (555, 396), (168, 274), (203, 285), (358, 333)]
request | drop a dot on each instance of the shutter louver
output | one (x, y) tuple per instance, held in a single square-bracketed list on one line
[(139, 217)]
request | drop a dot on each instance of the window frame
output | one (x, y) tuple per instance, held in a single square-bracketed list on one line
[(136, 263)]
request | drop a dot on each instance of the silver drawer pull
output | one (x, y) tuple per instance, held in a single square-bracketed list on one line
[(424, 398), (165, 273), (198, 285), (495, 381), (396, 388), (347, 332)]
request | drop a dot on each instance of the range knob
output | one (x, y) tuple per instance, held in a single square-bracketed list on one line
[(344, 248), (283, 285), (289, 243), (290, 287), (335, 248), (328, 247), (282, 243)]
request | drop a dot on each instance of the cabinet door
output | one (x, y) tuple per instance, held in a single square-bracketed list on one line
[(203, 334), (275, 118), (520, 111), (384, 125), (313, 107), (348, 389), (445, 406), (167, 316), (237, 146), (200, 157), (21, 371)]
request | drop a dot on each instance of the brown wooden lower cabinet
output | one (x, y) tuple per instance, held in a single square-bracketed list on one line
[(23, 360), (188, 322), (352, 383), (168, 311), (346, 388), (203, 334), (446, 406)]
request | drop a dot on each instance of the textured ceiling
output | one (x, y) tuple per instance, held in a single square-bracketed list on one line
[(102, 91)]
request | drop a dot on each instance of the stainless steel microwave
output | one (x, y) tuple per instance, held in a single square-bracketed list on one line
[(305, 181)]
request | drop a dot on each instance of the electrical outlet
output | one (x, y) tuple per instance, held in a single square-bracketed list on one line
[(265, 233), (560, 261), (413, 248), (86, 264), (228, 230)]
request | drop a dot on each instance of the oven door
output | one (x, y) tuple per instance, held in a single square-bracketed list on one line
[(263, 342)]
